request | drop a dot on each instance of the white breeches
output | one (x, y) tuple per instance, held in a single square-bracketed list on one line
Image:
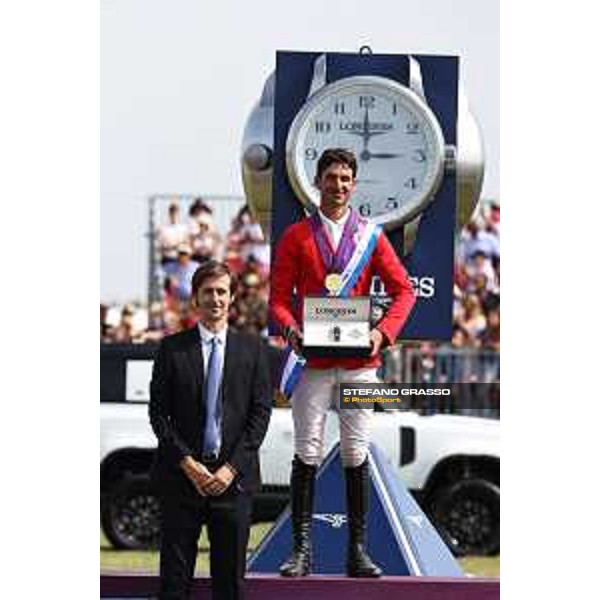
[(315, 394)]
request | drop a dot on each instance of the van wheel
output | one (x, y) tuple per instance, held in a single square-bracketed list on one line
[(130, 517), (467, 516)]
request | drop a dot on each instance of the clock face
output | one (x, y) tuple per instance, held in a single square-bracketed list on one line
[(397, 141)]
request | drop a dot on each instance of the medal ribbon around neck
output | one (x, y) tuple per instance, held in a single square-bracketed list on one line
[(335, 262), (351, 257)]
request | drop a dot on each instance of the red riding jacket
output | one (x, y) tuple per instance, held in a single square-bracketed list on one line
[(298, 264)]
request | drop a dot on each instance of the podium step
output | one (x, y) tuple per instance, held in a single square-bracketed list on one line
[(317, 587)]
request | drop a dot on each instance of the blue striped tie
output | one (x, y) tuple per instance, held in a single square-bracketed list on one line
[(212, 434)]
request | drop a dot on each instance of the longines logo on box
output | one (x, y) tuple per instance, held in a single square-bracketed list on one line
[(334, 311)]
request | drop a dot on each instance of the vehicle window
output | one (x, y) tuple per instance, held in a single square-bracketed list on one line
[(125, 372)]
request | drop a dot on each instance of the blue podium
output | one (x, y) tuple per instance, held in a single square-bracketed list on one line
[(401, 539)]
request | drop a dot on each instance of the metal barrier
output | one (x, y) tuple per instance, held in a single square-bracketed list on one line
[(476, 372)]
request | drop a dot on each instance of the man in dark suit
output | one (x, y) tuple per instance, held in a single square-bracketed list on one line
[(210, 403)]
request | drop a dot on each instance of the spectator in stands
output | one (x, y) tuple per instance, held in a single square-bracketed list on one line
[(250, 309), (154, 333), (234, 260), (473, 320), (428, 372), (155, 317), (248, 238), (475, 239), (460, 337), (187, 315), (172, 321), (452, 363), (179, 274), (171, 236), (480, 273), (204, 237), (206, 241), (125, 332), (199, 207), (490, 337), (488, 300), (421, 369)]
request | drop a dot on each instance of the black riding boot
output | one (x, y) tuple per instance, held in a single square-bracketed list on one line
[(357, 497), (302, 490)]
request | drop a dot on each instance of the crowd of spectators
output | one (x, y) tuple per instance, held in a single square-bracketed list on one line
[(473, 354), (182, 246), (477, 282)]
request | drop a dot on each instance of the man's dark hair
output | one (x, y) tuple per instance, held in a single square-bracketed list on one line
[(331, 156), (209, 269)]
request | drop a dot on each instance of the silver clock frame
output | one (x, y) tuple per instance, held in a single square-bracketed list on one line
[(362, 85)]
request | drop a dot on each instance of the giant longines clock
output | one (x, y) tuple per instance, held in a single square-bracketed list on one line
[(395, 136), (401, 151)]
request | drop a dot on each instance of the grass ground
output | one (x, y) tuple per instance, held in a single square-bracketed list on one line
[(125, 560)]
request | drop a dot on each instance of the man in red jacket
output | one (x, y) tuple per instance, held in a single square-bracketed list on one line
[(307, 255)]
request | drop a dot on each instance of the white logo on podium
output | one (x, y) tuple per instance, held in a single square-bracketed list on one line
[(335, 520)]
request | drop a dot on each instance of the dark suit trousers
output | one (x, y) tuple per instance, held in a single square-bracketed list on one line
[(227, 519)]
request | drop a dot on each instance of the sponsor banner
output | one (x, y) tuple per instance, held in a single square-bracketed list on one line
[(436, 397)]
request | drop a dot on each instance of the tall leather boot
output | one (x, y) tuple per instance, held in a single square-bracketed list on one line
[(359, 563), (302, 490)]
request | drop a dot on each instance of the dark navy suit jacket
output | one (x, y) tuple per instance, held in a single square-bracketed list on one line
[(177, 406)]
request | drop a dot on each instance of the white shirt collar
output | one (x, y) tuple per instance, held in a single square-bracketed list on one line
[(335, 228), (335, 224), (207, 335)]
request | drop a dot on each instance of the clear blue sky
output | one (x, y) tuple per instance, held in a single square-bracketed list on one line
[(179, 78)]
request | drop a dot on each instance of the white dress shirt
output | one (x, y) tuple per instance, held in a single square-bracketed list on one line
[(335, 229), (206, 336)]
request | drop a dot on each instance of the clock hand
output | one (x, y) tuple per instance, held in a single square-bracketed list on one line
[(364, 133), (367, 133), (366, 155)]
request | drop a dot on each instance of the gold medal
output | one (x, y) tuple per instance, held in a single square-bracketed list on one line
[(333, 282)]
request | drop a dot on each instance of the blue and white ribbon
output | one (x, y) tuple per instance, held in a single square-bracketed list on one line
[(360, 257), (292, 370)]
